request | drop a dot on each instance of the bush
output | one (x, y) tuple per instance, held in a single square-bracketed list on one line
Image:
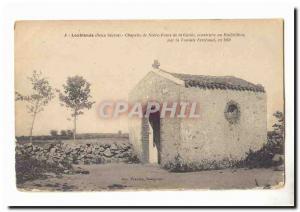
[(54, 133), (63, 133), (263, 158), (178, 165), (28, 168), (70, 133), (132, 159)]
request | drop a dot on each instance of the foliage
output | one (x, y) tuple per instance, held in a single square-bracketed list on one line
[(53, 133), (42, 94), (179, 165), (133, 159), (70, 133), (275, 145), (76, 96), (28, 168), (63, 133), (279, 126), (67, 133)]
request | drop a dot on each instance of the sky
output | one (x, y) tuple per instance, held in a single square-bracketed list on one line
[(114, 65)]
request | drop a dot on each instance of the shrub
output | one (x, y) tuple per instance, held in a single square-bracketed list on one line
[(28, 168), (179, 165), (63, 133), (54, 133), (70, 133), (132, 159), (263, 157)]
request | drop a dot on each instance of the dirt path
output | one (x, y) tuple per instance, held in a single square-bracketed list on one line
[(137, 176)]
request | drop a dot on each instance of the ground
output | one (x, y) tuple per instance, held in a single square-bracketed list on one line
[(140, 177)]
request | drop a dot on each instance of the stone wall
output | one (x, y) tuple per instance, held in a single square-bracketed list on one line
[(79, 153), (160, 89), (212, 138)]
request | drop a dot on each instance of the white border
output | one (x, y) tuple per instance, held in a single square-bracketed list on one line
[(136, 9)]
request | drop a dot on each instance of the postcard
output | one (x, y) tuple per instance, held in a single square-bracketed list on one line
[(142, 105)]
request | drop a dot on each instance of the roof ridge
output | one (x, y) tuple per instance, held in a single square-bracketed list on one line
[(216, 82)]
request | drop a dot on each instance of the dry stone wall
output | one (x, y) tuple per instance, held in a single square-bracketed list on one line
[(79, 153)]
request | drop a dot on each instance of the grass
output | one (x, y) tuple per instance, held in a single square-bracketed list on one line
[(28, 168)]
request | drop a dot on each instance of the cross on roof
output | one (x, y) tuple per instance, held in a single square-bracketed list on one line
[(156, 64)]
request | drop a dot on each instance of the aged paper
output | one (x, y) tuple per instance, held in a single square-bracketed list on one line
[(149, 105)]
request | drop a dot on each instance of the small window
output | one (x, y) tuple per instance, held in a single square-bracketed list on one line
[(232, 112)]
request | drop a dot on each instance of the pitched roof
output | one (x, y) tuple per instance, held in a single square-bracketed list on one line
[(217, 82)]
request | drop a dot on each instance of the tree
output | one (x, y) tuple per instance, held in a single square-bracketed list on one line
[(276, 137), (264, 157), (279, 125), (42, 94), (53, 133), (76, 96), (63, 133), (70, 133)]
